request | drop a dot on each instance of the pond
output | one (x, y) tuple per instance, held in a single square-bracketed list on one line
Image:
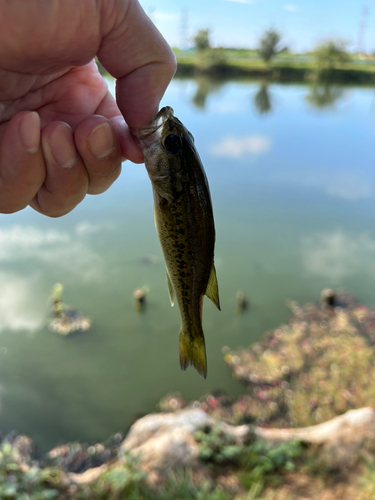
[(291, 171)]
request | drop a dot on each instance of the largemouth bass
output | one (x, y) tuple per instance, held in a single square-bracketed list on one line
[(185, 225)]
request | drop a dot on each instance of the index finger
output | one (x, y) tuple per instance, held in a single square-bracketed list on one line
[(136, 54)]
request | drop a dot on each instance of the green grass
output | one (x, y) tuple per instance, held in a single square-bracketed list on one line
[(242, 63)]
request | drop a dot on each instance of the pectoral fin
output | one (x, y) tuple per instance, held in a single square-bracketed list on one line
[(212, 291), (170, 288)]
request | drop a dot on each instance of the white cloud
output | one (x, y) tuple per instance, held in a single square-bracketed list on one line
[(337, 255), (291, 8), (240, 1), (58, 249), (235, 147), (20, 307), (159, 17)]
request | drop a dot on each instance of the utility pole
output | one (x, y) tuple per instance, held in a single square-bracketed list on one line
[(362, 29), (184, 29)]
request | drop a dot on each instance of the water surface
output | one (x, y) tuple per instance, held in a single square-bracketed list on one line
[(291, 170)]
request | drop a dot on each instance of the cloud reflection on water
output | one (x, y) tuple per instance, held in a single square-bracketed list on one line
[(350, 187), (86, 228), (25, 239), (346, 185), (338, 255), (236, 147), (65, 253), (59, 249), (20, 307)]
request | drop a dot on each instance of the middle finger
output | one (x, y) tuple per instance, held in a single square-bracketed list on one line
[(66, 182)]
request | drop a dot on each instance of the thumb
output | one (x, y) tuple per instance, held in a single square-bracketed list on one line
[(135, 53)]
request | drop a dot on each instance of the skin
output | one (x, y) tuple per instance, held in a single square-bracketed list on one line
[(62, 135)]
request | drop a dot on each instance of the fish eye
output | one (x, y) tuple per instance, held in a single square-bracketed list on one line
[(173, 143)]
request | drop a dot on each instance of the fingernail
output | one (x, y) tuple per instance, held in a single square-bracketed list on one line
[(62, 146), (101, 141), (29, 129)]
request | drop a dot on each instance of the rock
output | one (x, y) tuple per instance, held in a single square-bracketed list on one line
[(149, 259), (350, 424), (242, 303), (78, 457), (341, 438), (89, 476), (328, 297), (165, 441)]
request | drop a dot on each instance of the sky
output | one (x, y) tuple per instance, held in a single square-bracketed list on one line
[(240, 23)]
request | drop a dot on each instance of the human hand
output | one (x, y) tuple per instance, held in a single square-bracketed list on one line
[(62, 135)]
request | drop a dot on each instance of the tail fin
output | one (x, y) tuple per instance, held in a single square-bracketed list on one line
[(193, 352)]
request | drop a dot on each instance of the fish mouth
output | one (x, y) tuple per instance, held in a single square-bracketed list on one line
[(140, 134)]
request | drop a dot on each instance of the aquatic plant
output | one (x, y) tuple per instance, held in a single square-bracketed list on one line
[(314, 368)]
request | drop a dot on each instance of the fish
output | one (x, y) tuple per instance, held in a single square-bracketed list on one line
[(185, 225)]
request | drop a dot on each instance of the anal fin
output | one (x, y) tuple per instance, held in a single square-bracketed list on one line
[(212, 290)]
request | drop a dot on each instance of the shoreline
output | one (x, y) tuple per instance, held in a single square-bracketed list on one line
[(278, 72), (306, 387), (352, 74)]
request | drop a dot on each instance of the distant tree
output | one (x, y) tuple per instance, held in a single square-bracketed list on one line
[(206, 85), (202, 40), (323, 95), (262, 100), (209, 60), (212, 61), (328, 55), (268, 46)]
